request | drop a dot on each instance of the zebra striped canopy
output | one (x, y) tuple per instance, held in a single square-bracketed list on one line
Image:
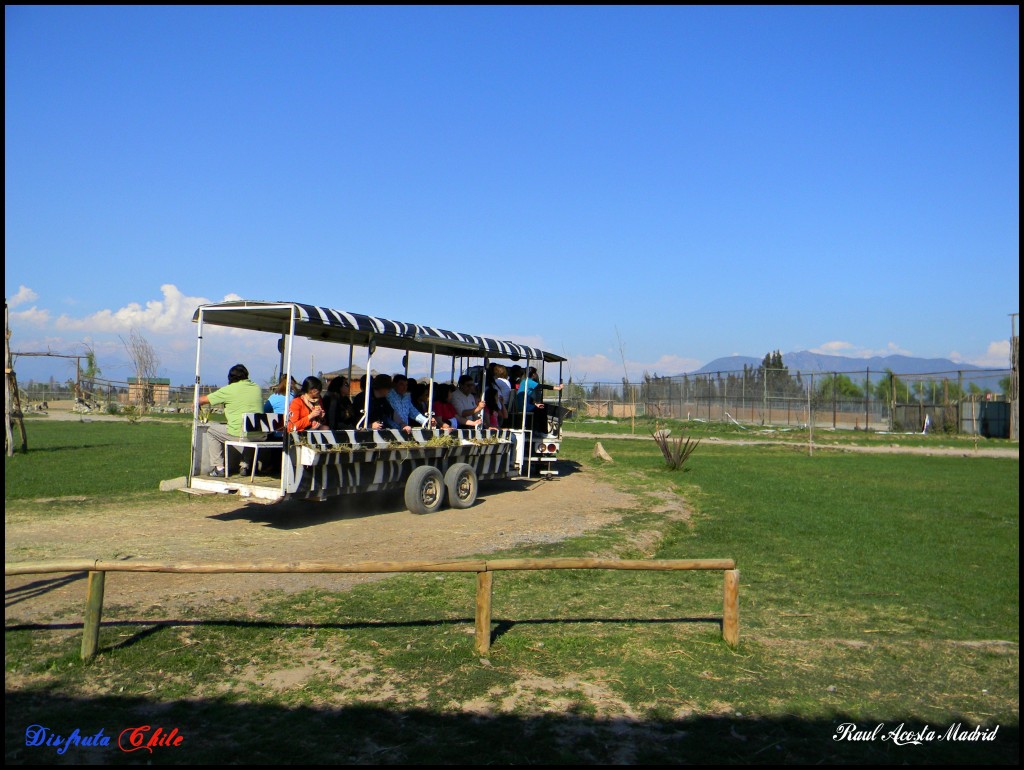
[(322, 323)]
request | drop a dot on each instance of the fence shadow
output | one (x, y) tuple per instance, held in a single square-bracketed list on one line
[(147, 628), (18, 594), (226, 730)]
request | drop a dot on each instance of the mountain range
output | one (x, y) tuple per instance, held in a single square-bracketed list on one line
[(806, 361)]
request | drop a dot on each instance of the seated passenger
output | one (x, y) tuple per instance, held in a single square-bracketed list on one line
[(528, 394), (420, 393), (306, 412), (239, 397), (403, 411), (277, 401), (380, 409), (468, 408), (338, 405), (494, 413), (499, 376), (444, 412)]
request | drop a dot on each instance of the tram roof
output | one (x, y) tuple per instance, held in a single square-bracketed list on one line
[(341, 326)]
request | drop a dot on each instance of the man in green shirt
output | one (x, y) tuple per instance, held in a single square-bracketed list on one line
[(240, 396)]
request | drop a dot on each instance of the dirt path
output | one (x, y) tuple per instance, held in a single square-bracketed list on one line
[(223, 528)]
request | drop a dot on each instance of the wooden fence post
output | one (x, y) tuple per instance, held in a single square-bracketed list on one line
[(731, 608), (93, 614), (483, 611)]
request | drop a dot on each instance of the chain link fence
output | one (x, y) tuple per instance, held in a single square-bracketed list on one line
[(109, 396), (974, 401)]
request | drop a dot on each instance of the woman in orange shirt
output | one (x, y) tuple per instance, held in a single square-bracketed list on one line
[(306, 412)]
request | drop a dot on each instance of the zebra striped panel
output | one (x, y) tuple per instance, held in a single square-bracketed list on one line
[(347, 462)]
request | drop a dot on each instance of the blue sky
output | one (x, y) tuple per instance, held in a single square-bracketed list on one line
[(664, 185)]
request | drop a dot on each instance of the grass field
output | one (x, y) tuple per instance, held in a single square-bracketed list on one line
[(96, 459), (875, 590)]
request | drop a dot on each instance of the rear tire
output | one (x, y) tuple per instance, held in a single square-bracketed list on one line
[(424, 490), (463, 485)]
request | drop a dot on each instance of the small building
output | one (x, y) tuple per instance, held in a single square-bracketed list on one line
[(154, 391), (357, 372)]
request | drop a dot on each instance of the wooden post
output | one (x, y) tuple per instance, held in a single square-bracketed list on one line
[(731, 608), (93, 613), (12, 401), (483, 611)]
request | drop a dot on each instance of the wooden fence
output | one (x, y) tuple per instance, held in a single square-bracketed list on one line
[(484, 570)]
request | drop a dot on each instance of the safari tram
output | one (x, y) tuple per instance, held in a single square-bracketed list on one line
[(429, 464)]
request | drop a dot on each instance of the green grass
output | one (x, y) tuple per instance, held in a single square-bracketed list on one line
[(96, 459), (874, 589), (925, 545)]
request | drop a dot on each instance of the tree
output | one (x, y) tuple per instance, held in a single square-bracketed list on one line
[(145, 362), (891, 389), (952, 391), (841, 386), (773, 375), (975, 390), (88, 375), (92, 368)]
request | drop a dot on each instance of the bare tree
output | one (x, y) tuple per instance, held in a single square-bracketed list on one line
[(145, 361), (625, 382)]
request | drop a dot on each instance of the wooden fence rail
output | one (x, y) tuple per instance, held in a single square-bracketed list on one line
[(484, 569)]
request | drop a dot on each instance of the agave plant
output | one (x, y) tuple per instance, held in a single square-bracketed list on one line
[(676, 450)]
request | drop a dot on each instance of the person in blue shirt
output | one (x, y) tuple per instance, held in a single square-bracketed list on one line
[(405, 414), (277, 402), (529, 390)]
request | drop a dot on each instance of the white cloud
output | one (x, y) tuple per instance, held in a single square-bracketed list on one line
[(894, 349), (836, 348), (997, 356), (840, 348), (601, 368), (171, 315), (33, 316), (25, 294), (595, 368), (671, 364)]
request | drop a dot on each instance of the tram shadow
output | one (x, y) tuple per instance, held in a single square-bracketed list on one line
[(298, 513)]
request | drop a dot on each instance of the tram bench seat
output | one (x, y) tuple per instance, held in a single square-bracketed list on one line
[(256, 422)]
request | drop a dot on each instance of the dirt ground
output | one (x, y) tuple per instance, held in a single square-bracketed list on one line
[(225, 528)]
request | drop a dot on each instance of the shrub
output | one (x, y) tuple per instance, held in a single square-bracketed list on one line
[(675, 450)]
